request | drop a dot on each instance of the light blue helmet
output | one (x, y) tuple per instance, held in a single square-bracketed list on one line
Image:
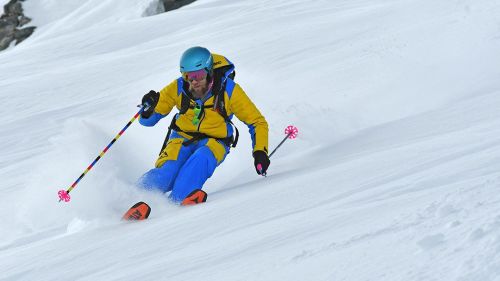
[(196, 58)]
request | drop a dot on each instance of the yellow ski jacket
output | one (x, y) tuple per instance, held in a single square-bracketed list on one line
[(211, 122)]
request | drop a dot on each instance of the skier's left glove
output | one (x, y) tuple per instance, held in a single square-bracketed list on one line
[(261, 162)]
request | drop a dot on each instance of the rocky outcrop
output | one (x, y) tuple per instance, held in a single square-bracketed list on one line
[(162, 6), (11, 22), (169, 5)]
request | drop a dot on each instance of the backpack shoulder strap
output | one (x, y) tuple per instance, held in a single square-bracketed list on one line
[(220, 106), (185, 99)]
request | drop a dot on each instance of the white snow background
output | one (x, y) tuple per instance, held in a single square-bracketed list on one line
[(395, 174)]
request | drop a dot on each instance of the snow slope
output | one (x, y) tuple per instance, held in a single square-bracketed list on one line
[(394, 176)]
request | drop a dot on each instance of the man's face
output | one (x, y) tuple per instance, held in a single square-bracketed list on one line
[(199, 86), (197, 81)]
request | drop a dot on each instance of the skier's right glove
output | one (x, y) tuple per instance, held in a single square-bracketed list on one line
[(261, 162), (150, 99)]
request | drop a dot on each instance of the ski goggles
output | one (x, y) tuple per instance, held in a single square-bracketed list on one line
[(197, 75)]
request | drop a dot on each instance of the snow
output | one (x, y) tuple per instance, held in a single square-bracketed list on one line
[(394, 175)]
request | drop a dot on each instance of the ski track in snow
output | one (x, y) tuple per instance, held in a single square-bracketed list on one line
[(394, 175)]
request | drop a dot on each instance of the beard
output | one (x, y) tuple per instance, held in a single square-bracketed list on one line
[(201, 90), (198, 92)]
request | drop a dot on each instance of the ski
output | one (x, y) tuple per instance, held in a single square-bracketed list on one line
[(140, 211), (197, 196)]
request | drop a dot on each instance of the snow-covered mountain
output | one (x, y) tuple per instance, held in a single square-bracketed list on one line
[(395, 174)]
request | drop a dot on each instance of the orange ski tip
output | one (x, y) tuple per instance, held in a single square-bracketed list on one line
[(197, 196), (140, 211)]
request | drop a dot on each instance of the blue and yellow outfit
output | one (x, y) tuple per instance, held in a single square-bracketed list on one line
[(185, 165)]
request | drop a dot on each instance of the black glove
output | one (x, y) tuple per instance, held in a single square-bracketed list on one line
[(261, 160), (150, 99)]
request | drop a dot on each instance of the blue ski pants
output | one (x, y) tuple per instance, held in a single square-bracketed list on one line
[(182, 169)]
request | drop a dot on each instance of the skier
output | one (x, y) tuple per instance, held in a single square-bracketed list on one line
[(201, 134)]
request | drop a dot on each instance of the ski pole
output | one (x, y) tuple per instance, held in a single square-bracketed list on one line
[(64, 194), (291, 132)]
